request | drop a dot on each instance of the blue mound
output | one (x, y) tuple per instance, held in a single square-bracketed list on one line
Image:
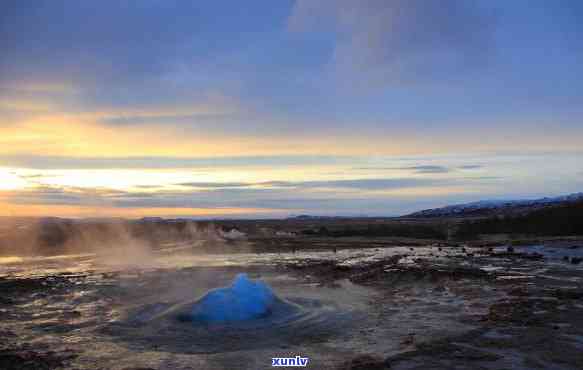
[(244, 299)]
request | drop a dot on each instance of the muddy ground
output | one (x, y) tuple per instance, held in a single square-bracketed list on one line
[(386, 307)]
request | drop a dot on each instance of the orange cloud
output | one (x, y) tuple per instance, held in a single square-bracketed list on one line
[(82, 136), (50, 127), (18, 210), (26, 105)]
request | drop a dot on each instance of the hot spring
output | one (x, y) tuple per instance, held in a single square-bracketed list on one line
[(225, 319), (244, 299)]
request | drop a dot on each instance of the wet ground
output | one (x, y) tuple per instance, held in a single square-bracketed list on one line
[(431, 307)]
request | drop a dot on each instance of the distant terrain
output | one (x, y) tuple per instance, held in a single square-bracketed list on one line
[(497, 207), (496, 291), (558, 216), (484, 221)]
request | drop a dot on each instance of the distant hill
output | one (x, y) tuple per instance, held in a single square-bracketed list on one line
[(565, 219), (487, 208)]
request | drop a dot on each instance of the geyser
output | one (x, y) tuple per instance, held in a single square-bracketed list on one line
[(244, 299), (244, 315)]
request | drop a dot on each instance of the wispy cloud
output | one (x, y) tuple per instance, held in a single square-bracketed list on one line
[(154, 162), (216, 184), (471, 167), (424, 169), (314, 104), (369, 184), (361, 184), (290, 197), (427, 169), (400, 40), (37, 44), (421, 169), (157, 191), (59, 195)]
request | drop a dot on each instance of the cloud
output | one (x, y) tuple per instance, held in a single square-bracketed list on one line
[(427, 169), (295, 199), (471, 167), (45, 162), (357, 184), (25, 106), (118, 107), (483, 178), (400, 40), (114, 40), (109, 62), (216, 184), (57, 195), (215, 194), (369, 184), (162, 191), (422, 169)]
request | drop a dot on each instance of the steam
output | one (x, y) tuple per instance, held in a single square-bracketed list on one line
[(116, 242)]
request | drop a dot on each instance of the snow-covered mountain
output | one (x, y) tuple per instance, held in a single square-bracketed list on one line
[(489, 207)]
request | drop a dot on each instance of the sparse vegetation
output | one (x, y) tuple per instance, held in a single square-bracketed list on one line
[(556, 221), (384, 230)]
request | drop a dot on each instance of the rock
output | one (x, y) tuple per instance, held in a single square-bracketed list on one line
[(568, 293), (440, 354), (533, 256), (365, 362), (536, 256), (74, 314), (7, 334), (520, 311), (518, 292), (19, 359), (408, 340), (6, 301), (576, 260)]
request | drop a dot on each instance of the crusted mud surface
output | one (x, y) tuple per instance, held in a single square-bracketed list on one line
[(421, 307)]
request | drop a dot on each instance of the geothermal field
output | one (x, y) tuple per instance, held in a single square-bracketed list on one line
[(322, 184), (238, 295)]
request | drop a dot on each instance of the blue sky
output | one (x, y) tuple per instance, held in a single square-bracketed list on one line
[(332, 106)]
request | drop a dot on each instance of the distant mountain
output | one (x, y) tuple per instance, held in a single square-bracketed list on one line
[(314, 217), (555, 219), (495, 207)]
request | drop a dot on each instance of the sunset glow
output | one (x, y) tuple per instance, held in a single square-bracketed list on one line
[(313, 110)]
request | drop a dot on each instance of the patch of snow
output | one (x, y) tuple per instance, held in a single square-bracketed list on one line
[(496, 203)]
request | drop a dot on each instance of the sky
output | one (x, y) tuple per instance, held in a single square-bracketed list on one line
[(272, 108)]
